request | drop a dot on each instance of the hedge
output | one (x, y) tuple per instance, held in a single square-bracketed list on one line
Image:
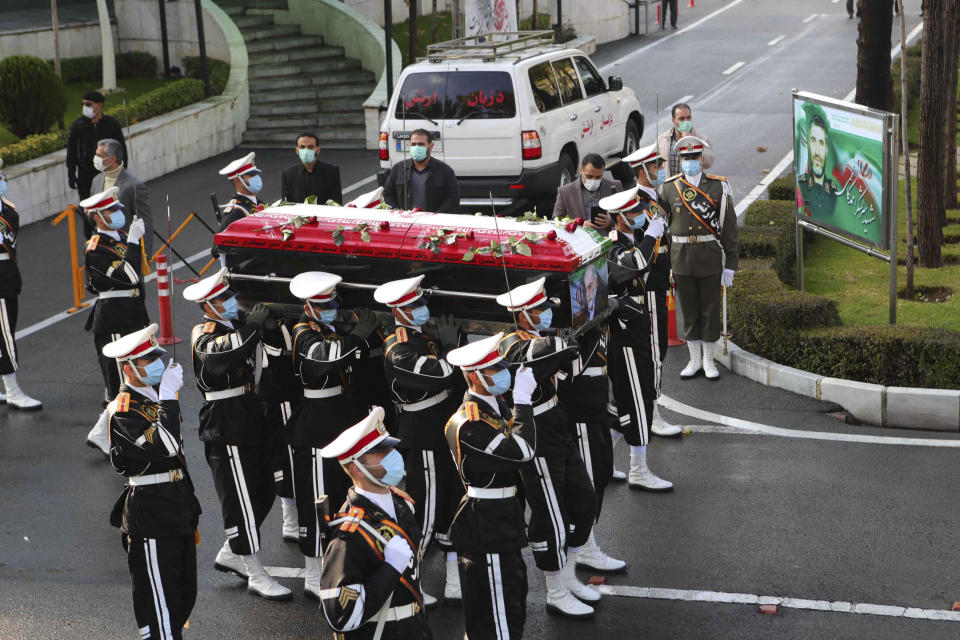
[(33, 147), (783, 188), (131, 64), (218, 69), (769, 231)]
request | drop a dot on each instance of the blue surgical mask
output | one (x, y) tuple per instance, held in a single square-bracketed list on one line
[(420, 315), (117, 220), (328, 315), (254, 184), (638, 222), (3, 187), (230, 308), (418, 153), (307, 156), (546, 317), (685, 127), (152, 373), (392, 463), (690, 167), (655, 179), (661, 177), (501, 382)]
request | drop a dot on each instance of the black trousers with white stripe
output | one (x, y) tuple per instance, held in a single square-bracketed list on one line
[(281, 454), (630, 365), (494, 588), (8, 332), (314, 476), (435, 486), (244, 484), (596, 449), (109, 367), (164, 576), (659, 341)]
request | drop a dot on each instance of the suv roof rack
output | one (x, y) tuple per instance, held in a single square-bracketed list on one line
[(490, 46)]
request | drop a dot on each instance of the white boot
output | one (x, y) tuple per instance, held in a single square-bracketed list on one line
[(99, 437), (642, 478), (291, 521), (591, 556), (429, 602), (559, 599), (582, 591), (663, 428), (451, 590), (615, 437), (311, 586), (709, 366), (229, 562), (15, 396), (260, 583), (696, 359), (618, 476)]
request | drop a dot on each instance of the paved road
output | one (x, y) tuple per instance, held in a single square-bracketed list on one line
[(768, 516)]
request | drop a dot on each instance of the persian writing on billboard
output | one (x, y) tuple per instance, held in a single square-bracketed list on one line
[(490, 16)]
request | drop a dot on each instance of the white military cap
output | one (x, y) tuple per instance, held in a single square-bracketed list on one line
[(241, 167), (477, 355), (315, 286), (690, 146), (399, 293), (621, 201), (369, 200), (102, 201), (643, 156), (139, 344), (527, 296), (367, 435), (208, 288)]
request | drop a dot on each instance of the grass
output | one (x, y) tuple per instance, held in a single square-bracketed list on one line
[(133, 88)]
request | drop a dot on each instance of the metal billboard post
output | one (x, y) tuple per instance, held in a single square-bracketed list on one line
[(891, 191)]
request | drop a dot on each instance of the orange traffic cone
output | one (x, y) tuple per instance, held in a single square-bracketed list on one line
[(672, 338)]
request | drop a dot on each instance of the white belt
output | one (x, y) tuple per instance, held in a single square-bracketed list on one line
[(157, 478), (663, 248), (4, 256), (429, 402), (402, 612), (545, 406), (693, 239), (491, 494), (323, 393), (226, 393), (594, 372), (124, 293)]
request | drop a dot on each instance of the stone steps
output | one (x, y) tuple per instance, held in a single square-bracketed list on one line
[(314, 52), (306, 122), (359, 143), (300, 68), (341, 76), (285, 43), (282, 138), (314, 105), (271, 31), (358, 91)]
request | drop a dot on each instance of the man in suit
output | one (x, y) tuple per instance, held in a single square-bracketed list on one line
[(422, 181), (132, 193), (310, 177), (577, 199)]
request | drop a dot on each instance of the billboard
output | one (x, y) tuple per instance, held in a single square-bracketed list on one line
[(489, 16), (845, 164)]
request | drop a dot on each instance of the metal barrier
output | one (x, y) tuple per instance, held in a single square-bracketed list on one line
[(76, 269)]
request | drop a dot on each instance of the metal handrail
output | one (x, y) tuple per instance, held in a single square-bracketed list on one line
[(490, 45)]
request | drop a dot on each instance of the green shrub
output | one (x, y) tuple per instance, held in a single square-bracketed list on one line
[(763, 213), (758, 242), (32, 96), (33, 147), (131, 64), (218, 69), (783, 188), (169, 97)]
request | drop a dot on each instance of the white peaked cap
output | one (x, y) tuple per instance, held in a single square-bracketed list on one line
[(399, 293), (620, 201), (643, 155), (477, 355), (315, 286), (368, 200), (101, 201), (139, 344), (367, 434), (526, 296), (240, 167), (209, 287)]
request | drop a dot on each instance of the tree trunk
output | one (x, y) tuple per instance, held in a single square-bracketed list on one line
[(433, 22), (904, 128), (413, 50), (930, 158), (952, 54), (534, 21), (874, 82)]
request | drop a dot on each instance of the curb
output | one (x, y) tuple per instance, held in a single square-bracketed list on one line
[(873, 404)]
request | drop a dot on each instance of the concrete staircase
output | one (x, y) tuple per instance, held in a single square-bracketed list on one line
[(297, 83)]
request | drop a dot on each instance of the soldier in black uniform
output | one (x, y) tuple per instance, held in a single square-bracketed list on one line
[(371, 572), (556, 485), (322, 356), (157, 512), (422, 384), (10, 285), (245, 176), (112, 265), (490, 441), (227, 360), (630, 356)]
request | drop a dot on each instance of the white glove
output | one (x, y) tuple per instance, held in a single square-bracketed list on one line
[(171, 381), (523, 386), (655, 228), (397, 553), (136, 231), (727, 278)]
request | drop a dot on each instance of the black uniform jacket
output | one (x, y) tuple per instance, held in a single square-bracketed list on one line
[(659, 277), (145, 439), (225, 358), (583, 390), (417, 370), (489, 449), (357, 581), (629, 263), (10, 282), (239, 207), (371, 381), (114, 265)]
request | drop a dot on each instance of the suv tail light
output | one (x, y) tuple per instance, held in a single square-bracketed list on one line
[(384, 145), (530, 145)]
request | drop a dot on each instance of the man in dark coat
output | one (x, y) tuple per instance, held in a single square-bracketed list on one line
[(422, 182)]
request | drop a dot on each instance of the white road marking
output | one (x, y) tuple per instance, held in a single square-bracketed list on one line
[(683, 99), (659, 41), (359, 183), (776, 40), (812, 16), (693, 595), (733, 67), (745, 427), (834, 1)]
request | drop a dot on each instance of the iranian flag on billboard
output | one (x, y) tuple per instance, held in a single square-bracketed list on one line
[(490, 16)]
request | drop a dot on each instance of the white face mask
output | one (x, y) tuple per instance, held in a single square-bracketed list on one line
[(88, 112), (591, 185), (98, 163)]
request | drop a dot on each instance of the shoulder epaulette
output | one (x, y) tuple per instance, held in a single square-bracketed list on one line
[(354, 517), (471, 411), (402, 494), (123, 402), (209, 327), (673, 177), (8, 203), (401, 333), (713, 177), (613, 236), (93, 241)]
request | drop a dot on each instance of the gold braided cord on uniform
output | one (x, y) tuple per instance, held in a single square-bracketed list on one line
[(694, 213)]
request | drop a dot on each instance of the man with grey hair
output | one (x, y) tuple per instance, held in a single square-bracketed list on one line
[(133, 193)]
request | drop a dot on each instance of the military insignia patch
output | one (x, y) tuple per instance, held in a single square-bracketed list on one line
[(121, 249), (208, 327), (123, 400), (472, 411), (401, 334), (93, 242), (434, 349), (354, 517), (148, 434), (689, 194), (151, 411), (347, 595), (656, 210)]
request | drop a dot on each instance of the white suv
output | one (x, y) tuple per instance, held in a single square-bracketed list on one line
[(512, 117)]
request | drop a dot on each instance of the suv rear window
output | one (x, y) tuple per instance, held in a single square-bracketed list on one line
[(455, 95), (546, 93), (568, 80)]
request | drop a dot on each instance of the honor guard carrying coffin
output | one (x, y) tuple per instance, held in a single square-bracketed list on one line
[(630, 356), (245, 176), (321, 360), (112, 266), (227, 360), (422, 383), (371, 569), (556, 485), (490, 441), (704, 252), (10, 285), (157, 512), (650, 170)]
